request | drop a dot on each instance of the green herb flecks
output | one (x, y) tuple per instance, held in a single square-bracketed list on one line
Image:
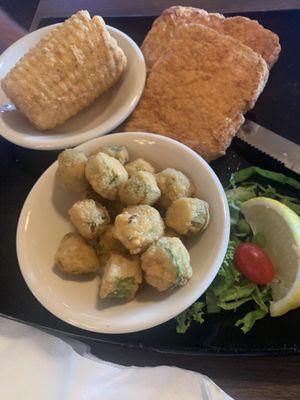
[(113, 180), (123, 287)]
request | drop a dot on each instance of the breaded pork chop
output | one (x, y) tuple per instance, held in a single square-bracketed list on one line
[(252, 34), (247, 31), (199, 89), (164, 28)]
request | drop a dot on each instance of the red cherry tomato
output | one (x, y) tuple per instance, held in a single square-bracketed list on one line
[(254, 263)]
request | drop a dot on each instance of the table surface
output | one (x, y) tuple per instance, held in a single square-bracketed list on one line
[(244, 378), (55, 8)]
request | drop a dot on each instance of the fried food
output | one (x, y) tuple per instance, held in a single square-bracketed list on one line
[(108, 244), (66, 71), (71, 170), (105, 174), (252, 34), (165, 27), (137, 227), (122, 277), (139, 165), (166, 264), (188, 216), (245, 30), (89, 218), (173, 185), (75, 256), (116, 151), (199, 89), (134, 237), (141, 188)]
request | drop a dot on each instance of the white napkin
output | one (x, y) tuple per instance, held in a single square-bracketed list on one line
[(36, 365)]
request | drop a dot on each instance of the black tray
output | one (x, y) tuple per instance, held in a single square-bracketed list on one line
[(277, 109)]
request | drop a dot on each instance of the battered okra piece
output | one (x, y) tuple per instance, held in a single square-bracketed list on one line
[(105, 174), (74, 256), (71, 170), (116, 151), (108, 244), (114, 207), (141, 188), (89, 218), (122, 277), (188, 216), (173, 185), (139, 165), (166, 264), (137, 227)]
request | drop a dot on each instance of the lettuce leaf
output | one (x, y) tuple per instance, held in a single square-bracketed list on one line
[(230, 290), (193, 313), (246, 173), (247, 322)]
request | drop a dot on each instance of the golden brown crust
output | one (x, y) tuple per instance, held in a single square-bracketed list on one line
[(199, 89), (68, 68), (247, 31), (164, 27), (252, 34)]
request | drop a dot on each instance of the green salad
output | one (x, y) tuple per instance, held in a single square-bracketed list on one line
[(230, 289)]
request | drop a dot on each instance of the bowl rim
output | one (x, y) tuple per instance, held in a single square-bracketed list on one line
[(76, 139), (160, 319)]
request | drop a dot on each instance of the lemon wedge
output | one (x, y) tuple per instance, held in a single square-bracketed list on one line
[(281, 229)]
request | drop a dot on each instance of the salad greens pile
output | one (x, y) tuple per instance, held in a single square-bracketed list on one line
[(230, 289)]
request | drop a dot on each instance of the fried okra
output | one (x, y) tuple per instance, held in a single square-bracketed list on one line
[(116, 151), (166, 264), (173, 185), (108, 244), (140, 188), (105, 174), (114, 207), (122, 277), (75, 256), (89, 218), (139, 165), (71, 170), (188, 216), (137, 227)]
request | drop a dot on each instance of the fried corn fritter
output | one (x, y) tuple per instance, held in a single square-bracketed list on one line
[(66, 71)]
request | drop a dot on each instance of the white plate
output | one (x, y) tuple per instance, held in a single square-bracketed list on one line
[(106, 113), (43, 222)]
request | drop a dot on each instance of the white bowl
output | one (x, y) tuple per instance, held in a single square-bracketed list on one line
[(105, 114), (43, 222)]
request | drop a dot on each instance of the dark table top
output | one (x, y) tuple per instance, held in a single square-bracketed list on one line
[(55, 8), (242, 377)]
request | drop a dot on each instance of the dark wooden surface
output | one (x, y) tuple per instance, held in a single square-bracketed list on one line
[(244, 378)]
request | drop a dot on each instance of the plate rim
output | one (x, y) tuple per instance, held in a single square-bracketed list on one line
[(77, 138)]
